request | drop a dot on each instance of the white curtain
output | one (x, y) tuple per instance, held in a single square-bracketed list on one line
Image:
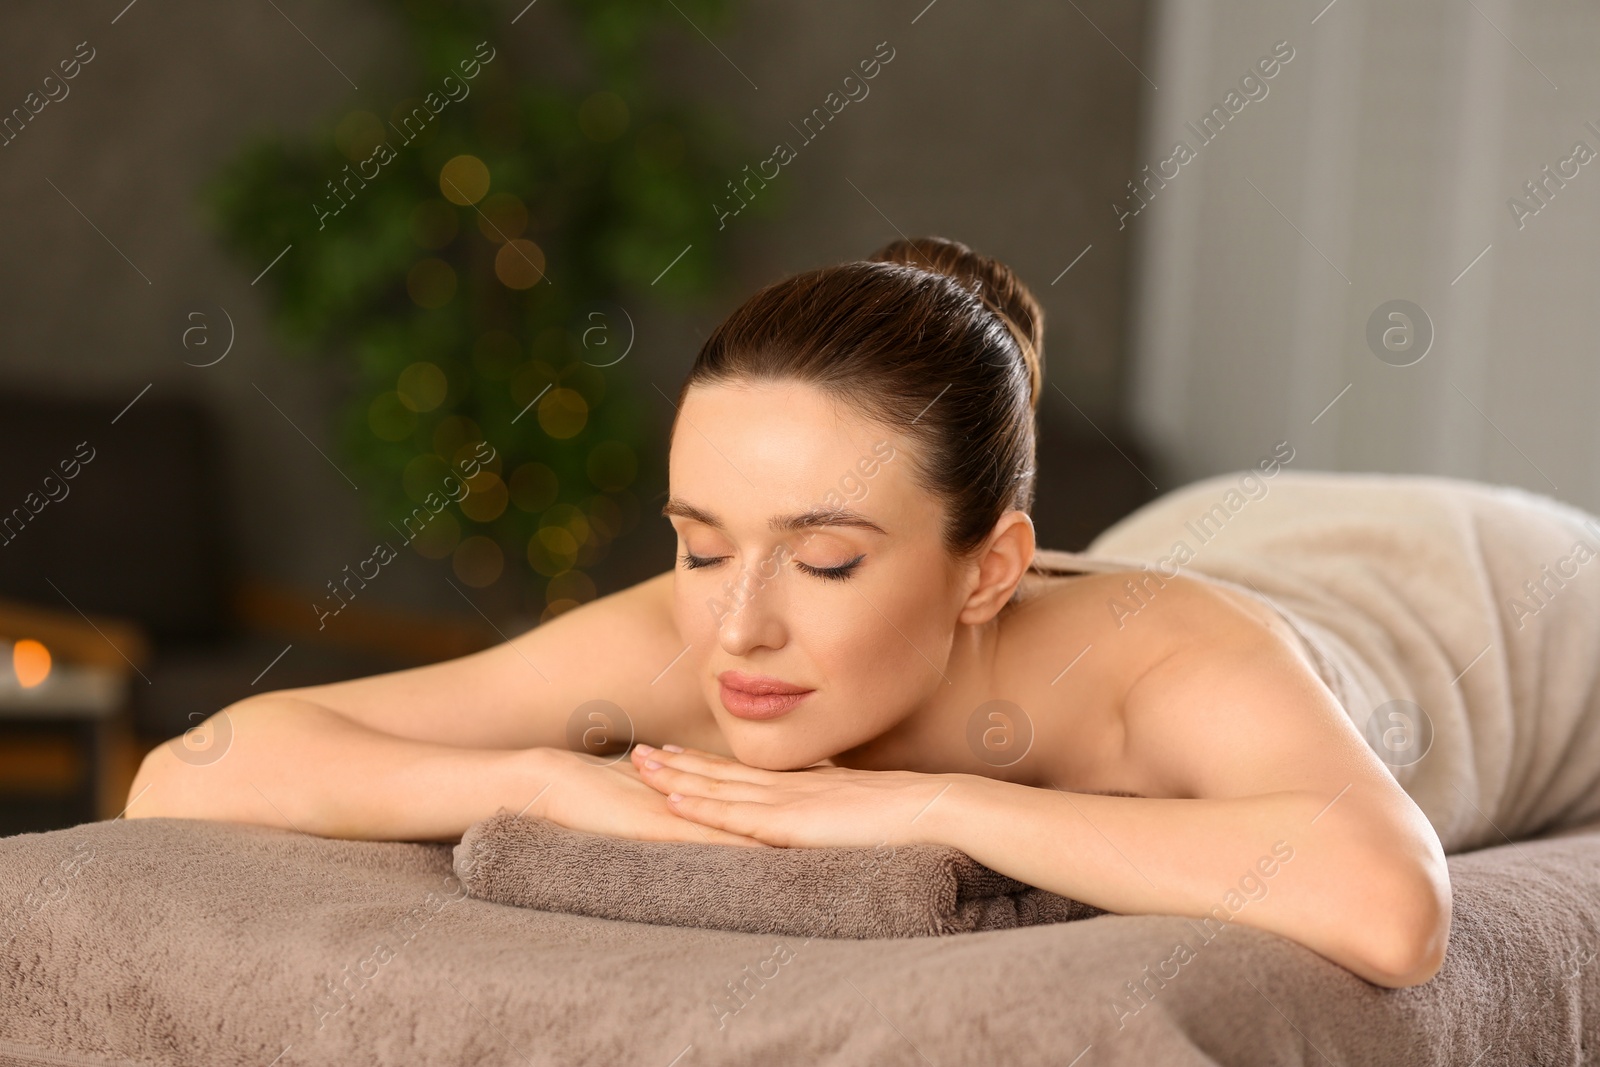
[(1381, 164)]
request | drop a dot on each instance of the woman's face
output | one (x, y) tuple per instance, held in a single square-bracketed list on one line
[(813, 561)]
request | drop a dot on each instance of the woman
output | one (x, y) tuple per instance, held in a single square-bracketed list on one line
[(855, 626)]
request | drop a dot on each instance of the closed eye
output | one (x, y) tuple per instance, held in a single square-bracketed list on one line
[(838, 574)]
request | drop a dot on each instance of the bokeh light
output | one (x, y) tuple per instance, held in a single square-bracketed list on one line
[(519, 264), (486, 497), (563, 413), (423, 386), (30, 661), (464, 180), (552, 550)]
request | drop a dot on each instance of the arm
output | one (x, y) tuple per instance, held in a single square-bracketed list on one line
[(1259, 860), (296, 765), (420, 754), (1243, 723), (1252, 752)]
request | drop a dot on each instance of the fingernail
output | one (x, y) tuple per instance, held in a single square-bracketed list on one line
[(642, 747), (675, 797), (673, 748), (652, 764)]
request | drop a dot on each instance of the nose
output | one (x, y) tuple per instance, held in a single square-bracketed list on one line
[(751, 614)]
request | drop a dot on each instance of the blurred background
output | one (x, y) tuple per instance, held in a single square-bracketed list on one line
[(339, 339)]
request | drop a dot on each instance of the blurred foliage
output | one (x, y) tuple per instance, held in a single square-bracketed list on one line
[(421, 269)]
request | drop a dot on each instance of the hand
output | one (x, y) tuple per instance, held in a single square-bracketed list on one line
[(816, 807), (612, 798)]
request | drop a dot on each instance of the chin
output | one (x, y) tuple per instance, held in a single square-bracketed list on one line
[(772, 750)]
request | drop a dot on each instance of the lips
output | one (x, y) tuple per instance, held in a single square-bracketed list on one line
[(751, 696)]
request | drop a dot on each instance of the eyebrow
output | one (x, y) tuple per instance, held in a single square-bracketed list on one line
[(814, 517)]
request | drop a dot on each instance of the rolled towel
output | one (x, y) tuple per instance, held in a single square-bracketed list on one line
[(910, 891)]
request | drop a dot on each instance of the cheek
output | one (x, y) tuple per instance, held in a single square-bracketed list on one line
[(873, 646), (694, 620), (862, 642)]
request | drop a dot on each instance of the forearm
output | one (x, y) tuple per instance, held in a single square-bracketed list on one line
[(1333, 884), (296, 765)]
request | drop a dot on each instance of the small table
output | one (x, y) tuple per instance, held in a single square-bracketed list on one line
[(80, 709)]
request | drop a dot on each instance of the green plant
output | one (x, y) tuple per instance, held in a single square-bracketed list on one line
[(469, 264)]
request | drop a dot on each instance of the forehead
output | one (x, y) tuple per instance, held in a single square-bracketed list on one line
[(768, 446)]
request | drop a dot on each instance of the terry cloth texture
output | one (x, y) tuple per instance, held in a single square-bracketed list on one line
[(911, 891), (1457, 623), (187, 943)]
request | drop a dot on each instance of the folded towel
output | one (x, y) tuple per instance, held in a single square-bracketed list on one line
[(910, 891)]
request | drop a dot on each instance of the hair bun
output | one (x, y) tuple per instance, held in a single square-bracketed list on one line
[(990, 281)]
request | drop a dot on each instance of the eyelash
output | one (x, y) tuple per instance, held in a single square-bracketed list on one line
[(837, 574)]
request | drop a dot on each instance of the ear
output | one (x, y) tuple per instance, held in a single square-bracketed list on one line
[(999, 566)]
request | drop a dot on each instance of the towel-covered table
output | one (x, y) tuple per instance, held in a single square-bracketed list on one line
[(177, 942)]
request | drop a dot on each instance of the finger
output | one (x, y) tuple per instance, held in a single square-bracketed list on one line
[(735, 816), (704, 763), (696, 752), (666, 779), (712, 835)]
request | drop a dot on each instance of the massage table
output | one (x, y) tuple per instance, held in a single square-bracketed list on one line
[(190, 942)]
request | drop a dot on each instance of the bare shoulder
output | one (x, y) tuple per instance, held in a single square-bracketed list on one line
[(1229, 705), (1128, 654), (1131, 621)]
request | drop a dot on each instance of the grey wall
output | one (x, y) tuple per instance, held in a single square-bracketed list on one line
[(1007, 126)]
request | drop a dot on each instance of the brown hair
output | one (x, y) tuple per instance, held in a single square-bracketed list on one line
[(926, 337)]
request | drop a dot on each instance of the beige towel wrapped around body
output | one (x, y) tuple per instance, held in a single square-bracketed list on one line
[(1457, 623), (915, 891)]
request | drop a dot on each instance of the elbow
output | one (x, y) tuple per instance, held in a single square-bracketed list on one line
[(175, 779), (1406, 946), (150, 795)]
